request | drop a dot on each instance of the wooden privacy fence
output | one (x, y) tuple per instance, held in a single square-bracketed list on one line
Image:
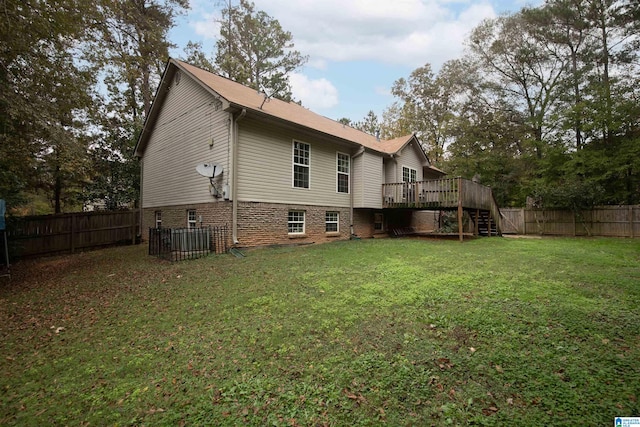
[(52, 234), (613, 221)]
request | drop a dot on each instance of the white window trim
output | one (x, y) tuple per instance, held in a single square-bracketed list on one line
[(410, 169), (348, 174), (158, 219), (304, 223), (195, 219), (293, 165), (336, 222)]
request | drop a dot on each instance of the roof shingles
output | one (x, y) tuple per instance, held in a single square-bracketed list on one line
[(245, 97)]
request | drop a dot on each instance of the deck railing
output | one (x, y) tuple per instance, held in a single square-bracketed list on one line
[(433, 193), (446, 193)]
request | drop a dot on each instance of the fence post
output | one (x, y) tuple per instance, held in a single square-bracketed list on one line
[(133, 226), (460, 209), (73, 232), (631, 221), (524, 221)]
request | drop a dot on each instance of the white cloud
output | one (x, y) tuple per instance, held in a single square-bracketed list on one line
[(206, 25), (402, 32), (315, 94), (382, 90)]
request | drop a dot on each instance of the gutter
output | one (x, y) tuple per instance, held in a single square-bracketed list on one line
[(234, 177), (358, 153)]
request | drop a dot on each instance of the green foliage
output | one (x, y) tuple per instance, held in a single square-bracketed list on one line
[(256, 51), (544, 98), (195, 56), (44, 88), (427, 108), (368, 124), (359, 333), (133, 49)]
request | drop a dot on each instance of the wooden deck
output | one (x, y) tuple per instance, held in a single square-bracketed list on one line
[(443, 194)]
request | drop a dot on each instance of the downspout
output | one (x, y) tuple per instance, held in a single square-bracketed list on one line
[(140, 195), (359, 153), (234, 177)]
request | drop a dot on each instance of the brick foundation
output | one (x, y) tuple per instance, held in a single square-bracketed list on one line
[(266, 224), (259, 224), (215, 214)]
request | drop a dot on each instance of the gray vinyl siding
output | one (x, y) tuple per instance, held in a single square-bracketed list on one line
[(409, 157), (265, 167), (369, 177), (357, 170), (180, 140), (390, 175)]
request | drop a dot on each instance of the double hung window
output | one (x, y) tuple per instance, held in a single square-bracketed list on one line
[(301, 164), (295, 222), (332, 220), (343, 170)]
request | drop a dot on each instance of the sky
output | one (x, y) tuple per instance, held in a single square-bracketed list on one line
[(357, 49)]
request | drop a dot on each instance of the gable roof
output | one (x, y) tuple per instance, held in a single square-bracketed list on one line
[(243, 97)]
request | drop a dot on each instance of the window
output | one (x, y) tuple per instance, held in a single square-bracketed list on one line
[(378, 222), (343, 164), (295, 222), (408, 174), (191, 218), (301, 153), (331, 222), (158, 219)]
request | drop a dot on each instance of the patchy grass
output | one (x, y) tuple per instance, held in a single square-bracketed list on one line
[(403, 332)]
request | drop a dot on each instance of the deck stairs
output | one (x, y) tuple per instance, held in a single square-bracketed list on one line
[(486, 226)]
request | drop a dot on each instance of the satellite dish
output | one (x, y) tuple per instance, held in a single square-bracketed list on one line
[(209, 170)]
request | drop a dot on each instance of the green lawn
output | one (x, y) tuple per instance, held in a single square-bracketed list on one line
[(494, 331)]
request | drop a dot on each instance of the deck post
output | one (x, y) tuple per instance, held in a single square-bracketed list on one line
[(460, 231), (476, 230), (489, 225)]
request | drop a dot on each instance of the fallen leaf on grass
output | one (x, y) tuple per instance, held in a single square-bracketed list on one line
[(499, 369), (359, 398), (489, 411), (444, 363), (472, 350)]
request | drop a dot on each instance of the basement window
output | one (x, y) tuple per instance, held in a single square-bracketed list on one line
[(191, 218), (295, 222), (158, 215), (332, 220)]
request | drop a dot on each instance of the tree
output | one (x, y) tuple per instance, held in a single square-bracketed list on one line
[(369, 124), (134, 48), (563, 23), (45, 88), (254, 50), (195, 56), (426, 108)]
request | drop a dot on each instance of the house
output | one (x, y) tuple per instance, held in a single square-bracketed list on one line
[(288, 175)]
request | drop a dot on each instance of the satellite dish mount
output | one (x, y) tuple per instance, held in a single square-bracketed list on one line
[(211, 171)]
